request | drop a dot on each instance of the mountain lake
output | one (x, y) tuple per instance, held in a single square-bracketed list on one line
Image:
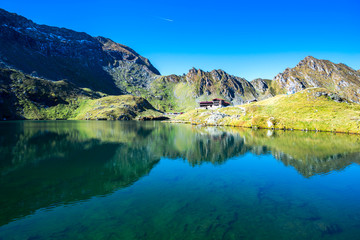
[(151, 180)]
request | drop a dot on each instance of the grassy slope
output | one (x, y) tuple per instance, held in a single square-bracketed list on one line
[(170, 96), (303, 111), (125, 107), (25, 97), (161, 94)]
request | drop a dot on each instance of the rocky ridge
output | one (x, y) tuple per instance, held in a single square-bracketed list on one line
[(183, 92), (235, 89), (312, 72)]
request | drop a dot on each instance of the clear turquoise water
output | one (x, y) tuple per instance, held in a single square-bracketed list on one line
[(146, 180)]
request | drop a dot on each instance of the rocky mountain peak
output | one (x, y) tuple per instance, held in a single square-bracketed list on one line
[(261, 85), (313, 63), (219, 83), (312, 72), (194, 73), (120, 51), (309, 59), (219, 71)]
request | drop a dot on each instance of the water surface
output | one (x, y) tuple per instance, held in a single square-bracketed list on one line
[(150, 180)]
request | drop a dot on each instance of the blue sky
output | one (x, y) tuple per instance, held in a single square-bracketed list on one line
[(245, 38)]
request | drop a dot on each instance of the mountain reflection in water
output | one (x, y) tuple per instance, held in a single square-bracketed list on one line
[(70, 161)]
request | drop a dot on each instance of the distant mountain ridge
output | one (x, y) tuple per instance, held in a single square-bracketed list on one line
[(58, 53), (308, 73), (93, 67), (184, 92)]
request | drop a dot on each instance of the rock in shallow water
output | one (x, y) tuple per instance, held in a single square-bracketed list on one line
[(327, 228)]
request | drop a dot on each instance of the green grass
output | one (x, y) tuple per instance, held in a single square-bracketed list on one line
[(302, 111), (124, 107), (170, 96), (25, 97)]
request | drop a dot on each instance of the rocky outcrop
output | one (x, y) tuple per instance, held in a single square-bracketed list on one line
[(58, 53), (260, 85), (333, 96), (263, 88), (312, 72), (214, 118)]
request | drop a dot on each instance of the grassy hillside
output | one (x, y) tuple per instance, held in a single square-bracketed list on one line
[(125, 107), (310, 109), (25, 97), (169, 94)]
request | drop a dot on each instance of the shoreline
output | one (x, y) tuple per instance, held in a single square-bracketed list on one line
[(307, 110), (256, 127), (202, 124)]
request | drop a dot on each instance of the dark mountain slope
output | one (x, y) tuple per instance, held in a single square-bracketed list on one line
[(26, 97), (58, 53)]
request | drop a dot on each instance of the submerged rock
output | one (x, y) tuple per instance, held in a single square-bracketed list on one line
[(327, 228)]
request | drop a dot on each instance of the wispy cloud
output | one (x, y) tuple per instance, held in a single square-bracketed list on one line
[(165, 19)]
